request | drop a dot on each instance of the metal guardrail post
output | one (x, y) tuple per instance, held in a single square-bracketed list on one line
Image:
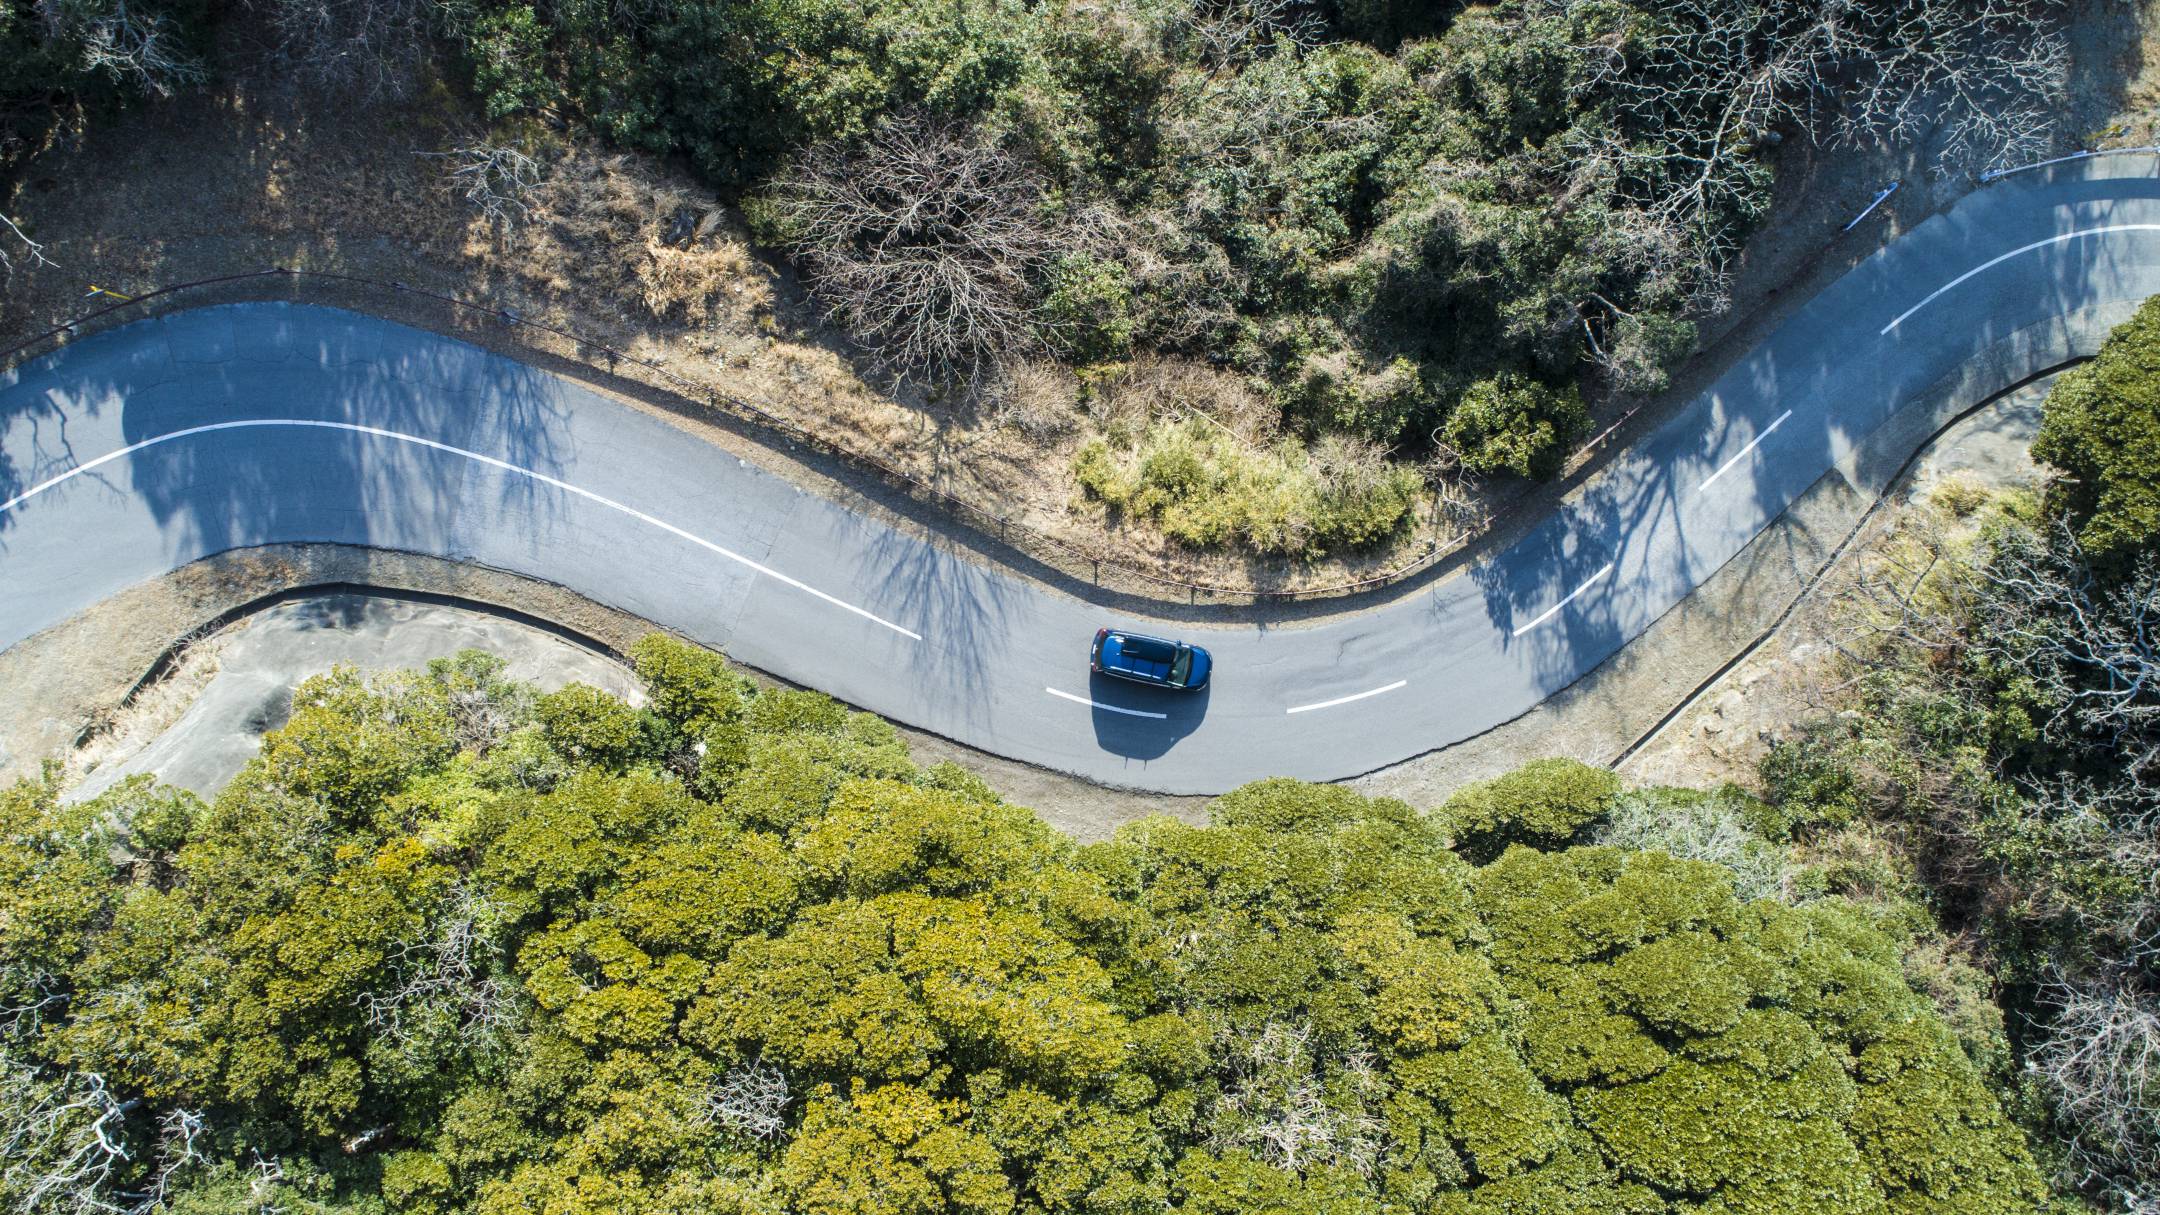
[(1870, 208)]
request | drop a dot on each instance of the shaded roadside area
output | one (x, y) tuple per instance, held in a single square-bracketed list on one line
[(103, 687)]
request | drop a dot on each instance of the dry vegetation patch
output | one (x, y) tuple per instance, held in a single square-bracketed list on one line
[(632, 252)]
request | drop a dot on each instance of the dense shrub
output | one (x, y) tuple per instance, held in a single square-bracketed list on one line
[(844, 984), (1206, 487), (2101, 427), (1516, 425), (1544, 803)]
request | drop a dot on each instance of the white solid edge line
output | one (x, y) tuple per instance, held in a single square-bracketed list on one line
[(1343, 700), (1722, 468), (1096, 704), (1554, 610), (1996, 261), (491, 461)]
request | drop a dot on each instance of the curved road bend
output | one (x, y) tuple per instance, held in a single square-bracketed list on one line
[(132, 453)]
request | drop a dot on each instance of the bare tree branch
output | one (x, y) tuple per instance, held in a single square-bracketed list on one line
[(495, 179), (369, 45), (750, 1099), (927, 242)]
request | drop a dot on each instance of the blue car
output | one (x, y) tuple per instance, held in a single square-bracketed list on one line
[(1166, 664)]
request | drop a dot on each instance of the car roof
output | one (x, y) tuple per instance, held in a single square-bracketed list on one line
[(1139, 645)]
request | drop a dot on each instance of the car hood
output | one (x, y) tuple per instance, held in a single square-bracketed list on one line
[(1203, 665)]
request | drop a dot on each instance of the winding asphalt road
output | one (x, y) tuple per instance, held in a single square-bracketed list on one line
[(132, 453)]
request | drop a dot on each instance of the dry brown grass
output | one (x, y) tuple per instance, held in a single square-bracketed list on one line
[(596, 230), (1038, 400), (212, 185), (1152, 388)]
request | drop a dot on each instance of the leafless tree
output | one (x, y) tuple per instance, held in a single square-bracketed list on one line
[(2092, 648), (447, 969), (1276, 1104), (1230, 33), (138, 48), (28, 249), (40, 995), (64, 1146), (1981, 76), (1697, 86), (369, 45), (263, 1186), (2027, 601), (63, 1143), (494, 179), (177, 1149), (928, 242), (751, 1098), (2100, 1061)]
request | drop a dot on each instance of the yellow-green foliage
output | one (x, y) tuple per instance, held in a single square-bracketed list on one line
[(2101, 425), (837, 984), (1207, 488), (1543, 803)]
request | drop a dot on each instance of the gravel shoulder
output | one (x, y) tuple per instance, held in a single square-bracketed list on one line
[(1724, 731), (182, 675)]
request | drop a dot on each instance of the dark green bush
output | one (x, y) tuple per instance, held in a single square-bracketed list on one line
[(1544, 803), (1517, 425), (2101, 427), (1809, 782), (589, 726), (1088, 309)]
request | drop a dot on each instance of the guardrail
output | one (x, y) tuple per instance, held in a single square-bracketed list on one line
[(1999, 174), (1035, 543)]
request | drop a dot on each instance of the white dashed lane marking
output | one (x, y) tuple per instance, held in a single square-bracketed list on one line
[(1096, 704), (1343, 700), (1554, 610), (1752, 444), (490, 461)]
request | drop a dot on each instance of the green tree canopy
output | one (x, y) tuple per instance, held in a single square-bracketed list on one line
[(2101, 427), (561, 964)]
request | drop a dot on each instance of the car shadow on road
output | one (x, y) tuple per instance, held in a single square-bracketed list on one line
[(1143, 737)]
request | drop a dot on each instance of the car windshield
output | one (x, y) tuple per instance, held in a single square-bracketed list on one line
[(1181, 667)]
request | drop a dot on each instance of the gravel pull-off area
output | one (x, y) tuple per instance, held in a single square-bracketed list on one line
[(237, 685)]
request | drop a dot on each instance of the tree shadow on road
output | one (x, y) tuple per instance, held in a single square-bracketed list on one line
[(249, 486)]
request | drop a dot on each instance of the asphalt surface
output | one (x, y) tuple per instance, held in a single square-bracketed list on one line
[(260, 660), (132, 453)]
